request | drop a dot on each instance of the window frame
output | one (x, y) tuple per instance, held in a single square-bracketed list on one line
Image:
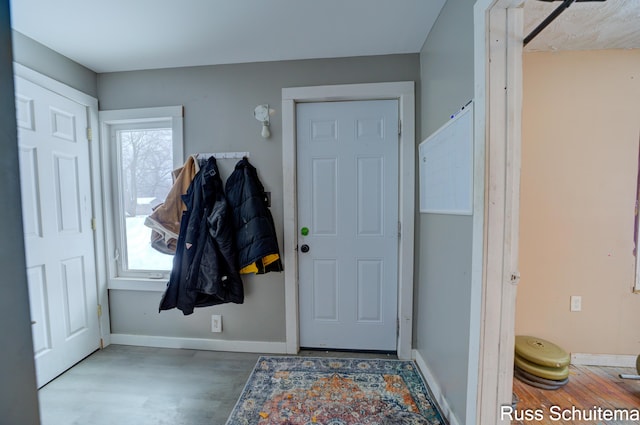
[(111, 122)]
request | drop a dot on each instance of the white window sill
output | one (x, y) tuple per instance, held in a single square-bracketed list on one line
[(130, 284)]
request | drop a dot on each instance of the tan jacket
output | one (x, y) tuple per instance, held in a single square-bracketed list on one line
[(165, 218)]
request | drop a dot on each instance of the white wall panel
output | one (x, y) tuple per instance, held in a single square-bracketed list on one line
[(323, 131), (370, 275), (41, 329), (73, 283), (325, 196), (31, 211), (63, 125), (24, 113), (370, 187), (370, 129), (325, 290), (67, 194)]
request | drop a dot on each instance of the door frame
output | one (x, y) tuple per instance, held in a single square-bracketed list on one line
[(91, 104), (404, 93), (498, 35)]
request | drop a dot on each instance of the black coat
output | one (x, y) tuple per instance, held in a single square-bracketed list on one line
[(255, 232), (205, 268)]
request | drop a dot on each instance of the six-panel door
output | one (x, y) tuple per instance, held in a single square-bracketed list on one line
[(347, 191)]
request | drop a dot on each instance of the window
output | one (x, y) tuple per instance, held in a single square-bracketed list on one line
[(141, 148)]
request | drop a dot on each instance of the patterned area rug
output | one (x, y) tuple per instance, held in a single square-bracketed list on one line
[(332, 391)]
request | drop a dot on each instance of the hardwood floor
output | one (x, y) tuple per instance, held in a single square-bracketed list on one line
[(127, 385), (589, 388)]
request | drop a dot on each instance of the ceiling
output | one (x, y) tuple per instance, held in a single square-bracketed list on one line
[(121, 35), (613, 24)]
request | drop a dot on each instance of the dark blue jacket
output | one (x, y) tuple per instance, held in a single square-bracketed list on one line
[(255, 236)]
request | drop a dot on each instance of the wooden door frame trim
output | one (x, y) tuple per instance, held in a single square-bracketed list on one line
[(404, 93), (498, 93)]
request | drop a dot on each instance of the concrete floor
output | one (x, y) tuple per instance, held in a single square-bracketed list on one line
[(127, 385)]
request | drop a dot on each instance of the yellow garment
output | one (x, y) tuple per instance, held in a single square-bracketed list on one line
[(266, 260)]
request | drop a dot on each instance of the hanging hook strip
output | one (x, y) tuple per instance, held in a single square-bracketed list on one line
[(224, 155)]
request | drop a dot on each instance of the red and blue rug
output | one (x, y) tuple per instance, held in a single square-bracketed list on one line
[(333, 391)]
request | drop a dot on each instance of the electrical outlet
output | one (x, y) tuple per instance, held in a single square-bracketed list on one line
[(576, 303), (216, 323)]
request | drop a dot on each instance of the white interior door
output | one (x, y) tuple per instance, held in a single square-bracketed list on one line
[(56, 204), (347, 169)]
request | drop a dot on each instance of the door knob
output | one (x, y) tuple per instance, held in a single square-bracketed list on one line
[(304, 248)]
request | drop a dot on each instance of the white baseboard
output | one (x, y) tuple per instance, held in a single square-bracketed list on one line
[(200, 344), (436, 391), (612, 360)]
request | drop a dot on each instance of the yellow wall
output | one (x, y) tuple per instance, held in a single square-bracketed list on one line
[(581, 129)]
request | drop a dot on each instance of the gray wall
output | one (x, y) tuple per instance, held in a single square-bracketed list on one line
[(40, 58), (443, 292), (219, 103), (18, 396)]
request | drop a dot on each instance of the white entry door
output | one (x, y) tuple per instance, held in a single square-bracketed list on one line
[(347, 168), (56, 207)]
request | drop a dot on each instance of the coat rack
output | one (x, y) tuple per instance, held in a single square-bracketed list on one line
[(223, 155)]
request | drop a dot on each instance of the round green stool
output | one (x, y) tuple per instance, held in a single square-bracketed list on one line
[(541, 352), (535, 378), (638, 364), (546, 372)]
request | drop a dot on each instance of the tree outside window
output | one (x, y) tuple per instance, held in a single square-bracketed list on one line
[(146, 163)]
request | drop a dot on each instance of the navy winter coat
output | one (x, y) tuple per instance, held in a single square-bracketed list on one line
[(255, 232)]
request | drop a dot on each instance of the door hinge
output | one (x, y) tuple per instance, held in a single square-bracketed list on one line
[(89, 134), (99, 310), (399, 229), (94, 224), (397, 326), (399, 127)]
